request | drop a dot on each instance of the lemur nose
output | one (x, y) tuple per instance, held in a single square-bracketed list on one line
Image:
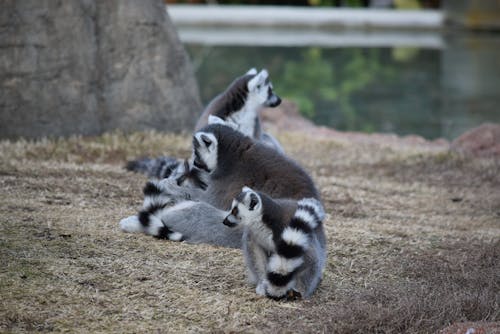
[(227, 221)]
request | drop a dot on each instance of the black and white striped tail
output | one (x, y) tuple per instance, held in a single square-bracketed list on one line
[(291, 246), (148, 220), (159, 168)]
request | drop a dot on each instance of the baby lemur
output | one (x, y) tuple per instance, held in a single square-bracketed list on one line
[(283, 242)]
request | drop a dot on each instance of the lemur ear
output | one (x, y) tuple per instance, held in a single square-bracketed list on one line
[(252, 71), (258, 80), (215, 120), (206, 140), (246, 189), (254, 201)]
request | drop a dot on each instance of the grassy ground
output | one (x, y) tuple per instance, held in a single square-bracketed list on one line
[(414, 244)]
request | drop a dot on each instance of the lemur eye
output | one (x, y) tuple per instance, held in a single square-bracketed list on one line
[(258, 86), (206, 140)]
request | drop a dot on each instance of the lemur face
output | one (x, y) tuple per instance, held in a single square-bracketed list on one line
[(205, 151), (260, 90), (245, 209)]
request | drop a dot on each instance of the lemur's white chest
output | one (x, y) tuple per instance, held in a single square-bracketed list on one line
[(245, 121)]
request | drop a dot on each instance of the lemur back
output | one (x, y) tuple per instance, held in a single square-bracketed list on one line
[(240, 161)]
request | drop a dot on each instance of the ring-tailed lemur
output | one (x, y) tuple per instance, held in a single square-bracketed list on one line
[(238, 106), (283, 242), (223, 161)]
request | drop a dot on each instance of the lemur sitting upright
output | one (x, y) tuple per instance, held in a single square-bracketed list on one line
[(238, 106), (283, 242)]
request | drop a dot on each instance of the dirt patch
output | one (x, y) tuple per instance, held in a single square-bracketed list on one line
[(413, 238)]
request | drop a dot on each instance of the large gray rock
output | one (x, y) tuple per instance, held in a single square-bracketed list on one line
[(88, 66)]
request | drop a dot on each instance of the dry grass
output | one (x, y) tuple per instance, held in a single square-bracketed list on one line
[(414, 244)]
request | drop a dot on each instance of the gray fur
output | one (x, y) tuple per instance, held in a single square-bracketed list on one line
[(265, 228), (187, 222), (232, 106), (241, 161)]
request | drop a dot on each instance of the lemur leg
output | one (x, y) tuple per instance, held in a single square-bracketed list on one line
[(256, 261)]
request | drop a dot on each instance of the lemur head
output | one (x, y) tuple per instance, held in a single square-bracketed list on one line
[(245, 209), (260, 89), (218, 147), (205, 151)]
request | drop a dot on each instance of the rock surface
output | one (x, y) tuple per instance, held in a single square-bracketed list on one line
[(88, 66), (481, 141)]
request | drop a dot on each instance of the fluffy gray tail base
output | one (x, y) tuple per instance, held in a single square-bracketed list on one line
[(159, 168)]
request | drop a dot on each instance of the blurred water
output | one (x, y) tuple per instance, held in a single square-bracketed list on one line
[(433, 85)]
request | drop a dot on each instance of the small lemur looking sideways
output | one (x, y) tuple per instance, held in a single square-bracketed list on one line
[(283, 242), (239, 106)]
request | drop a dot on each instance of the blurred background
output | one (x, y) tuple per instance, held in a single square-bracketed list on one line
[(434, 79), (424, 67)]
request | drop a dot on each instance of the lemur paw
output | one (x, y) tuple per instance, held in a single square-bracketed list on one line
[(169, 187), (261, 289), (131, 224), (290, 295)]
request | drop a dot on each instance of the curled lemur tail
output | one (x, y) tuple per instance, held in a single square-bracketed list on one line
[(291, 247), (159, 168), (148, 220)]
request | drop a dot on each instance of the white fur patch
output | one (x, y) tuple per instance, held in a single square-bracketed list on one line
[(247, 189), (244, 120), (278, 291), (155, 225), (157, 200), (281, 265), (262, 235), (252, 71), (306, 217), (182, 205), (207, 154), (217, 120), (295, 237), (131, 224), (175, 236), (250, 218)]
